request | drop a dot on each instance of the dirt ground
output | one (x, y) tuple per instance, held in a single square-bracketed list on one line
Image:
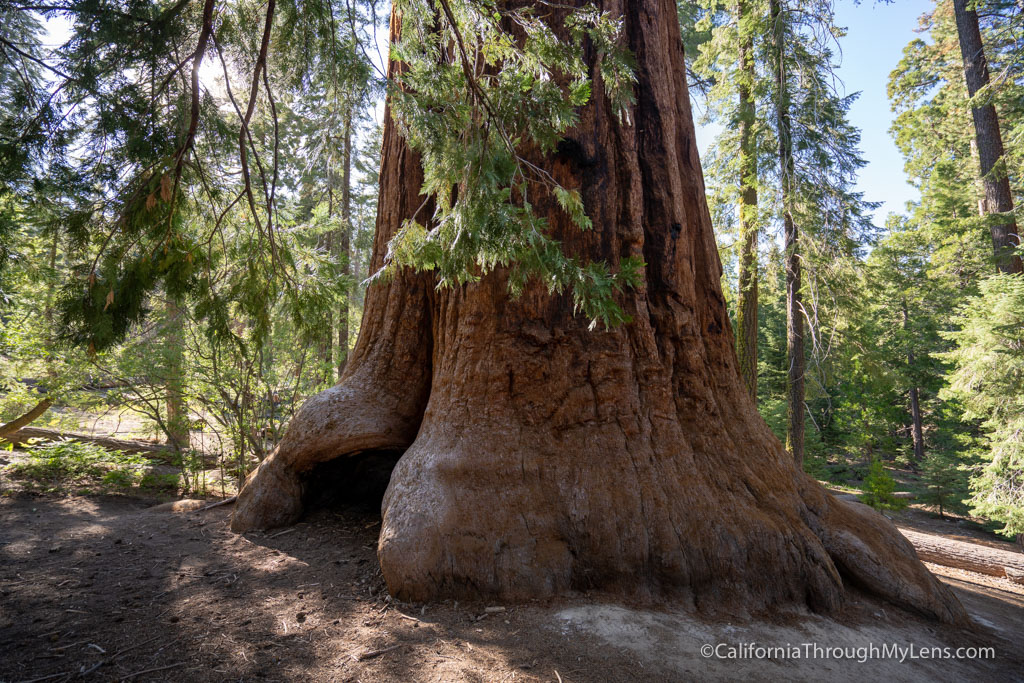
[(118, 588)]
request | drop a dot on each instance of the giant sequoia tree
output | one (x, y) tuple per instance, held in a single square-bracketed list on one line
[(540, 455)]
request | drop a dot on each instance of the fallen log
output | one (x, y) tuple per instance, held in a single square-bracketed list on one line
[(24, 434), (973, 557)]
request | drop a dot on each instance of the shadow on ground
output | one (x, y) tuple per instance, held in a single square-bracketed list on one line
[(109, 588)]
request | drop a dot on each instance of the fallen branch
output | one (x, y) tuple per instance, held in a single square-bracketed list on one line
[(153, 451), (375, 653), (226, 501), (149, 671), (20, 422), (128, 446)]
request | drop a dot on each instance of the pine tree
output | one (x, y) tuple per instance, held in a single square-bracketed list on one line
[(934, 130), (809, 189), (988, 377), (997, 204)]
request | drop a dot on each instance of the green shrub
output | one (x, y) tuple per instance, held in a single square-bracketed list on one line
[(878, 488), (62, 464)]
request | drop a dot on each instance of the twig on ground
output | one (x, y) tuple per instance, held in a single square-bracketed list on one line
[(226, 501), (374, 653), (46, 678), (281, 533), (406, 616), (149, 671), (132, 647)]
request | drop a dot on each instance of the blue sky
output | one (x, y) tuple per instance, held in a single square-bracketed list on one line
[(871, 49), (873, 45)]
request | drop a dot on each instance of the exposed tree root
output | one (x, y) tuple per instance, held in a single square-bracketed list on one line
[(335, 423), (543, 457), (870, 552)]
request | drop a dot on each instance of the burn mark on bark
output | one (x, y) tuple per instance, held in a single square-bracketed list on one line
[(571, 151)]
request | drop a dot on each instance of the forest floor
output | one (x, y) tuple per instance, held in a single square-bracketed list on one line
[(107, 587)]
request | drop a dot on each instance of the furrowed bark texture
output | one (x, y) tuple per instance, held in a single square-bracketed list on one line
[(970, 556), (544, 458), (997, 201)]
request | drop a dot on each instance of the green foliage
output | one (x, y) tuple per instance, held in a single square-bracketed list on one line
[(831, 217), (988, 378), (945, 480), (878, 488), (64, 465), (879, 306), (470, 99), (934, 129), (170, 233)]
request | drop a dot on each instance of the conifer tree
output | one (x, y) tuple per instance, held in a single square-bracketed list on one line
[(934, 130), (806, 185), (997, 202), (988, 377)]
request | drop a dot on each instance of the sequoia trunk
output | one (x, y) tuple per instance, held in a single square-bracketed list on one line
[(542, 457)]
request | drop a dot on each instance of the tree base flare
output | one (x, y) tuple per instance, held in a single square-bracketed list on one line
[(513, 514), (542, 457)]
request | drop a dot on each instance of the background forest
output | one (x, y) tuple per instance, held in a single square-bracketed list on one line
[(184, 241)]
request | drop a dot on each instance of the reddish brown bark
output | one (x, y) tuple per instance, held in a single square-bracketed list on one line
[(542, 457)]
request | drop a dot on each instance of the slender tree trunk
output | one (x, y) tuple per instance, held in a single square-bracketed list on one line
[(794, 304), (327, 243), (177, 409), (540, 457), (345, 238), (915, 414), (998, 202), (746, 310), (26, 419), (915, 398), (979, 184)]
